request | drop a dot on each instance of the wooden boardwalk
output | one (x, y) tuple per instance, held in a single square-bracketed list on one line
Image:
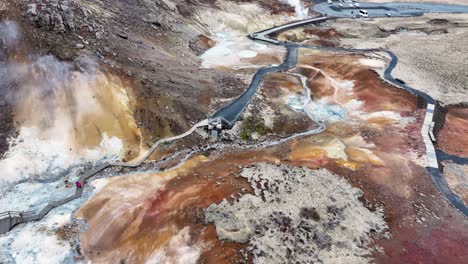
[(10, 219)]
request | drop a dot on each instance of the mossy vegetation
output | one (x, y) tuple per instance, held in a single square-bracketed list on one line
[(63, 51), (310, 213), (252, 125)]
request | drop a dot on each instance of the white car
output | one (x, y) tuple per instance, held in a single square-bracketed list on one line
[(363, 13), (356, 4)]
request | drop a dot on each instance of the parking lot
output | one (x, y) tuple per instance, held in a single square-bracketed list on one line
[(350, 9)]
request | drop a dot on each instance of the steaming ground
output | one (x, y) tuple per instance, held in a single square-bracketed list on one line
[(178, 250), (8, 38), (68, 116), (301, 11), (65, 114), (238, 52), (46, 241), (72, 114), (65, 117), (298, 213)]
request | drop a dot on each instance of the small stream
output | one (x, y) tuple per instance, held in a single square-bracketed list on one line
[(232, 111)]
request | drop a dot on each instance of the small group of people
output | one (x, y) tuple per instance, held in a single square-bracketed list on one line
[(78, 185)]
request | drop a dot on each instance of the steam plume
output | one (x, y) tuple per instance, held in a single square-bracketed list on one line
[(65, 113), (9, 34), (301, 11)]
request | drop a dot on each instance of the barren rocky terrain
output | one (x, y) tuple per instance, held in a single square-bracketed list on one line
[(329, 226)]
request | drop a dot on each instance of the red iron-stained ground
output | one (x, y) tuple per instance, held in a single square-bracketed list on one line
[(134, 216), (453, 138)]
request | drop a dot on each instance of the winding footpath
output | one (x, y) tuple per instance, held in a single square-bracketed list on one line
[(12, 218), (231, 112)]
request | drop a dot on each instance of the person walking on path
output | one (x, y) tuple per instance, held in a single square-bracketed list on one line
[(78, 185)]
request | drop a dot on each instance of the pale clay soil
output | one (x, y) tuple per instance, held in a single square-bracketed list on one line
[(457, 177), (433, 63)]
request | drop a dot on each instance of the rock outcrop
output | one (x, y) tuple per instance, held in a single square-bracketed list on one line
[(301, 214), (55, 15)]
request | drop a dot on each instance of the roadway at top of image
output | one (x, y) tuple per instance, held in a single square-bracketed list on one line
[(348, 8)]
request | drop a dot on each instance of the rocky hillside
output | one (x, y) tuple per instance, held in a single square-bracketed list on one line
[(152, 45)]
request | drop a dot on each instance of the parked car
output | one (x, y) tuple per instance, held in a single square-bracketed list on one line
[(363, 13)]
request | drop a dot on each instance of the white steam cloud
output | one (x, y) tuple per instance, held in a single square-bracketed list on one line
[(301, 11), (9, 34), (51, 99), (66, 114), (178, 251)]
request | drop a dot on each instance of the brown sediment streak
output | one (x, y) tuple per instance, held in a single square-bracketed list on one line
[(311, 36), (137, 215), (263, 59), (280, 84), (277, 88), (116, 215), (320, 85), (366, 81)]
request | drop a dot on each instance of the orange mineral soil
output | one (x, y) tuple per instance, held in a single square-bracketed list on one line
[(376, 147), (136, 218), (80, 107), (277, 87), (385, 160)]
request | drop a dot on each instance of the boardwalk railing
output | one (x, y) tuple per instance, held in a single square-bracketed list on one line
[(11, 218)]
